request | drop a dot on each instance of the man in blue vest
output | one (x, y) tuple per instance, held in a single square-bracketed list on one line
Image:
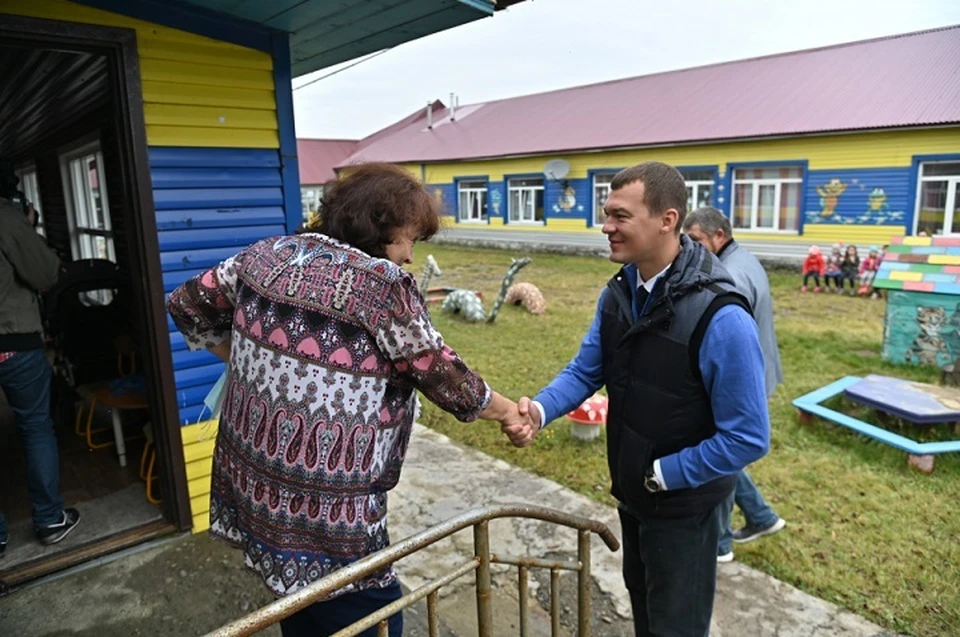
[(709, 227), (677, 349)]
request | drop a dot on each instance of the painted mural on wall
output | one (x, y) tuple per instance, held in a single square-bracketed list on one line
[(858, 197), (496, 199), (567, 201), (922, 329)]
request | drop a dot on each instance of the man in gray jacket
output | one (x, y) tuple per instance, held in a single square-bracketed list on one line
[(27, 266), (712, 229)]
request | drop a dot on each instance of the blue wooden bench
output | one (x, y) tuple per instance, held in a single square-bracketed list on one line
[(911, 401)]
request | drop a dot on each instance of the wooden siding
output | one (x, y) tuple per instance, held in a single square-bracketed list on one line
[(827, 152), (197, 91), (211, 203), (198, 443)]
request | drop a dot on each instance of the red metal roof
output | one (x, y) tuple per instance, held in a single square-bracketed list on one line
[(905, 80), (317, 158)]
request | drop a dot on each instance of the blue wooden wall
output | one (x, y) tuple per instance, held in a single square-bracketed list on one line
[(211, 203), (879, 196)]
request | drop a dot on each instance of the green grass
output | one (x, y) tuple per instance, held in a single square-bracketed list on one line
[(863, 531)]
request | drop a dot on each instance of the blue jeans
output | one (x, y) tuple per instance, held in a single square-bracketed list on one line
[(670, 571), (25, 379), (755, 510), (326, 618)]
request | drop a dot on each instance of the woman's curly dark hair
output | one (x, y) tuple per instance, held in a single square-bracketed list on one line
[(370, 203)]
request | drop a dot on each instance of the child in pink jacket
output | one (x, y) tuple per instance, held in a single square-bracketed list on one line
[(868, 271)]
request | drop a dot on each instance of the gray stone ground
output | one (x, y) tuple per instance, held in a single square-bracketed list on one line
[(190, 585)]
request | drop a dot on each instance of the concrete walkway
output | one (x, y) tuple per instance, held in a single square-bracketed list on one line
[(190, 585)]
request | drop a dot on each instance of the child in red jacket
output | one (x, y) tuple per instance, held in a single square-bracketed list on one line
[(814, 267)]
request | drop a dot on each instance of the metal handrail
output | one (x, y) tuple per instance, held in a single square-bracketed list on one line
[(477, 518)]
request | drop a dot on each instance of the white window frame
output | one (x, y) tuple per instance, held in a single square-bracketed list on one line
[(601, 184), (466, 187), (693, 188), (531, 192), (80, 204), (777, 183), (78, 197), (950, 205), (306, 200), (30, 186)]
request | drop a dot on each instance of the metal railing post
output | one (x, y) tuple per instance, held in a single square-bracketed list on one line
[(432, 614), (583, 584), (523, 600), (481, 547), (555, 602)]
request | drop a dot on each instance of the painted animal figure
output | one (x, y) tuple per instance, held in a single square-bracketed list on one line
[(430, 270), (515, 267), (465, 303), (528, 295), (929, 343)]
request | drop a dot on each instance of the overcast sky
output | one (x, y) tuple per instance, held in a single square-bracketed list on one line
[(540, 45)]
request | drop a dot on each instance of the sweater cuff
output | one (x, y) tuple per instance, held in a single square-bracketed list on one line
[(670, 473), (543, 416)]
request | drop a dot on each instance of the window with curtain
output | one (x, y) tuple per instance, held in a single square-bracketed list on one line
[(767, 198)]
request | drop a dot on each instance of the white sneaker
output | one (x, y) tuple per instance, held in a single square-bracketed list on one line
[(726, 557)]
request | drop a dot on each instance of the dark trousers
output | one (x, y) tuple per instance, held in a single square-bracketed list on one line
[(815, 276), (326, 618), (670, 569), (25, 379)]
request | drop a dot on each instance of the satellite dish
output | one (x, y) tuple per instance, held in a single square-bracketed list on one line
[(556, 169)]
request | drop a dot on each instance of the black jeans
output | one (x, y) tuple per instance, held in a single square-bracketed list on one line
[(326, 618), (670, 569)]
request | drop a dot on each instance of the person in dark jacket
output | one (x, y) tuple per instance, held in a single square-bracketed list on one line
[(678, 352), (26, 267)]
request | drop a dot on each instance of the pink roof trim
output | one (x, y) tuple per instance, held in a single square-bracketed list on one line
[(317, 158), (899, 81)]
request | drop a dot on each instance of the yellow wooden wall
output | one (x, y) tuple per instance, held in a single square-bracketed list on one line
[(823, 152), (198, 442), (200, 93), (857, 150), (197, 91)]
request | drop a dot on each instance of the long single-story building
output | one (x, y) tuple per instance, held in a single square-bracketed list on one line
[(857, 142), (158, 138)]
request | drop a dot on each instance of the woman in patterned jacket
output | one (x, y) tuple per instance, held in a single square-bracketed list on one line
[(328, 341)]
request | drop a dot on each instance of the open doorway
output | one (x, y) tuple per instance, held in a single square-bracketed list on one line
[(68, 126)]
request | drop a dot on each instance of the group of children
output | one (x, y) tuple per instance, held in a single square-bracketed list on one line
[(842, 266)]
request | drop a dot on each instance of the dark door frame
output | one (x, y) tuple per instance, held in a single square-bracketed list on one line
[(120, 47)]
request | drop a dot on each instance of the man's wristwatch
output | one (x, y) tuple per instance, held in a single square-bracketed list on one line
[(650, 481)]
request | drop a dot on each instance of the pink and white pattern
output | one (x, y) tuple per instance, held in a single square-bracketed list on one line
[(328, 349)]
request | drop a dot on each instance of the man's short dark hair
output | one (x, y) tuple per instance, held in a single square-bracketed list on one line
[(370, 203), (710, 220), (664, 187)]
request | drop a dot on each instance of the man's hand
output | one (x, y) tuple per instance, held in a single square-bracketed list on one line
[(519, 428), (528, 409)]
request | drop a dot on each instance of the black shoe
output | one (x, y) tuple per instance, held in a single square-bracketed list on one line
[(55, 532), (751, 533)]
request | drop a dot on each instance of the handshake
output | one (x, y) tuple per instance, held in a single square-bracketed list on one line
[(520, 421)]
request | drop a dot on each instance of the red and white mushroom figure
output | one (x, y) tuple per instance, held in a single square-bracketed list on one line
[(586, 420)]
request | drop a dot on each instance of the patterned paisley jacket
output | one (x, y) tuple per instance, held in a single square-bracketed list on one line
[(328, 349)]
